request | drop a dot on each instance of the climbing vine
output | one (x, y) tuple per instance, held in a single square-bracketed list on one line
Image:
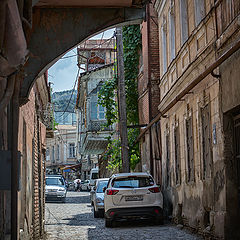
[(106, 97)]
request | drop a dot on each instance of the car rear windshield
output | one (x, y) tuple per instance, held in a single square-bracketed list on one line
[(54, 181), (132, 182), (101, 185)]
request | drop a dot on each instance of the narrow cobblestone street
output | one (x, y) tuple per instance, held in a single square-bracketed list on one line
[(74, 220)]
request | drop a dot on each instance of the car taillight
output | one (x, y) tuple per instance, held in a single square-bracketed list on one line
[(154, 189), (112, 192)]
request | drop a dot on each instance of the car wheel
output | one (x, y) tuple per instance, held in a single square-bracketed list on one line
[(158, 220), (95, 213), (108, 223), (102, 214), (63, 200)]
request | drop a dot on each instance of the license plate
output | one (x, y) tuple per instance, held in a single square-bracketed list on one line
[(134, 198)]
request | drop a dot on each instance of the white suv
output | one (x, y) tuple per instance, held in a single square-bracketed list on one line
[(131, 196)]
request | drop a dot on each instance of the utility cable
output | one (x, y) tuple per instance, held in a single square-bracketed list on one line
[(71, 93)]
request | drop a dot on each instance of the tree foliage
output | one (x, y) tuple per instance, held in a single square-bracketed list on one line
[(106, 98), (131, 47)]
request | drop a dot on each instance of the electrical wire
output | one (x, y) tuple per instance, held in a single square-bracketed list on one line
[(98, 46), (71, 93)]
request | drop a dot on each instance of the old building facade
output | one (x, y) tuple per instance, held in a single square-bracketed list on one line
[(96, 58), (34, 125), (198, 111), (61, 152)]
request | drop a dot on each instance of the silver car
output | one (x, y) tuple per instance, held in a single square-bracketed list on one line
[(55, 188), (97, 199)]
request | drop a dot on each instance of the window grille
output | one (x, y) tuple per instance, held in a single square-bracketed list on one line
[(206, 142)]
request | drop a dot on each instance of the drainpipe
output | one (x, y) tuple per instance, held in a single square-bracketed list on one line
[(149, 87), (194, 83)]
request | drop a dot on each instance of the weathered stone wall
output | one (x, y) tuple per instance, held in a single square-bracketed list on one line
[(199, 203)]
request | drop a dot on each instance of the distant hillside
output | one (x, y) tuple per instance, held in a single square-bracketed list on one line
[(60, 100)]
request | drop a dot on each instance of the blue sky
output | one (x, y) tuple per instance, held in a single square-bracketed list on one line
[(63, 73)]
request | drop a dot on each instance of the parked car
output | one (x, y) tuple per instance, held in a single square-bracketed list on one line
[(55, 188), (98, 197), (132, 196), (85, 185)]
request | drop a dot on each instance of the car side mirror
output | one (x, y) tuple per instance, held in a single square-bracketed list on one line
[(104, 189)]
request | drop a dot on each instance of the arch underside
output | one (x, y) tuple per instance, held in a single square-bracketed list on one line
[(57, 30)]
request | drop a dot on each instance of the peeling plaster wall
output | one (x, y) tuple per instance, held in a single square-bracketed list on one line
[(199, 203)]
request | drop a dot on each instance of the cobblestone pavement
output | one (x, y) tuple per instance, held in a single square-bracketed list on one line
[(74, 220)]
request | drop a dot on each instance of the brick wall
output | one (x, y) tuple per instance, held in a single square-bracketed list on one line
[(31, 196), (148, 89), (149, 71)]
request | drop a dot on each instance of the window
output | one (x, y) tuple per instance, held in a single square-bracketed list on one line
[(53, 154), (172, 30), (199, 8), (58, 152), (74, 119), (93, 110), (71, 148), (101, 111), (79, 147), (47, 154), (167, 161), (177, 155), (184, 21), (94, 176), (101, 185), (132, 182), (190, 151), (164, 45), (206, 142), (97, 112)]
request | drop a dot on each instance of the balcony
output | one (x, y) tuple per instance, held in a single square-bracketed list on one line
[(98, 125), (94, 140)]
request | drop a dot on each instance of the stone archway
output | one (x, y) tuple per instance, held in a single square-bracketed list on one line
[(55, 31), (46, 30)]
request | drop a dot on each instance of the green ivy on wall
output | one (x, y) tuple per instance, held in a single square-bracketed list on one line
[(107, 95)]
